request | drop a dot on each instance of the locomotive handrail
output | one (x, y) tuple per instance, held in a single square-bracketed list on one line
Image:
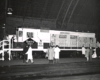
[(3, 49)]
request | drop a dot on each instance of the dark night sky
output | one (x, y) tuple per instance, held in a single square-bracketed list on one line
[(86, 12)]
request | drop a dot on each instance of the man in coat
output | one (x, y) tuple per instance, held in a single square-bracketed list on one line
[(25, 49), (87, 53), (56, 55), (83, 50), (90, 54), (29, 55), (50, 54), (98, 52)]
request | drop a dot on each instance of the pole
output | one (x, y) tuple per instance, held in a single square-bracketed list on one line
[(4, 31), (5, 10), (66, 13)]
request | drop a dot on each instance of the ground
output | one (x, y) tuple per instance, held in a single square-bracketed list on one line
[(67, 68)]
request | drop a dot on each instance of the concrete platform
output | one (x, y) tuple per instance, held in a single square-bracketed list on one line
[(43, 61)]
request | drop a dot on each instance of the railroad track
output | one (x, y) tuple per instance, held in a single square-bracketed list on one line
[(50, 70)]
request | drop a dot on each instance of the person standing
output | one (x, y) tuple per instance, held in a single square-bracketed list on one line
[(90, 54), (83, 50), (98, 52), (29, 55), (94, 54), (46, 56), (51, 54), (87, 53), (25, 49), (56, 55), (12, 41)]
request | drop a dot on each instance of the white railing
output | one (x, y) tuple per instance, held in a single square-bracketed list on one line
[(3, 44)]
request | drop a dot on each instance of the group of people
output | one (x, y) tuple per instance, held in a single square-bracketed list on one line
[(89, 53), (53, 54)]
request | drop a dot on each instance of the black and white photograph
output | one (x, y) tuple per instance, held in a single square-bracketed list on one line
[(49, 39)]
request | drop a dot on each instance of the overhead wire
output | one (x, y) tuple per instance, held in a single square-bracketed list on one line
[(66, 13)]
